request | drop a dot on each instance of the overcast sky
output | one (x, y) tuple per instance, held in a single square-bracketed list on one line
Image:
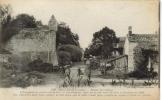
[(86, 17)]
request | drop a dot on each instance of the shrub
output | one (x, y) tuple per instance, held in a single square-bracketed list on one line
[(74, 51), (22, 79), (39, 65), (64, 58)]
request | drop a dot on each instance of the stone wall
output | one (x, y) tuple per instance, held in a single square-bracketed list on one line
[(22, 59), (30, 44), (30, 40)]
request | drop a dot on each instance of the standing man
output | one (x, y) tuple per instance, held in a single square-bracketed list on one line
[(79, 76), (88, 71), (67, 71), (67, 80)]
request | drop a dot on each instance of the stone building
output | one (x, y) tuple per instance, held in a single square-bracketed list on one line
[(150, 41), (33, 43)]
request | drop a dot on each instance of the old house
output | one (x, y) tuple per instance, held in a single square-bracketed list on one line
[(148, 42), (32, 43), (119, 47)]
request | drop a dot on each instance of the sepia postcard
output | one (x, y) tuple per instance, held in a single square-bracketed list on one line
[(79, 49)]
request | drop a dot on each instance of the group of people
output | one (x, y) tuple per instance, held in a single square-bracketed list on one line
[(80, 74), (104, 66)]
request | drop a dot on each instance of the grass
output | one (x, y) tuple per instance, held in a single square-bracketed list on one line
[(20, 79)]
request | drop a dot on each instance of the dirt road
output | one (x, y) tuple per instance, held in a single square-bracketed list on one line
[(56, 79)]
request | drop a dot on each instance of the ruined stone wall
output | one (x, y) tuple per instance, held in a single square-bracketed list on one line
[(30, 44), (29, 40)]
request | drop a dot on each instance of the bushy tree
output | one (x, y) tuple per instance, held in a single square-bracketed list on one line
[(102, 43), (141, 54), (140, 61), (24, 21), (13, 26), (68, 46), (65, 36), (74, 51), (64, 58)]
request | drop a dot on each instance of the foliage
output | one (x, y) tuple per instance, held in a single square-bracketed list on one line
[(87, 53), (102, 43), (24, 21), (64, 58), (39, 23), (12, 26), (65, 36), (5, 11), (39, 65), (74, 51), (68, 46), (141, 61), (10, 77), (5, 17), (95, 64)]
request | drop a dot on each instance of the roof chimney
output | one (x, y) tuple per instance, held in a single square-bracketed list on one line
[(130, 30)]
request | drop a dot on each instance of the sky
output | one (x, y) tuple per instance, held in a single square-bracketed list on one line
[(85, 17)]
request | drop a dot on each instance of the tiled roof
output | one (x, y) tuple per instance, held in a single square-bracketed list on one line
[(147, 41), (143, 37)]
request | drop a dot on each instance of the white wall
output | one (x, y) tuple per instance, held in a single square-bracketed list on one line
[(128, 50), (131, 63), (126, 46)]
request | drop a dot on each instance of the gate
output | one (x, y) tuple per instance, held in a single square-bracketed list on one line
[(119, 64)]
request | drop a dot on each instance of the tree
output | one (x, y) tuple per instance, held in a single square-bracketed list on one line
[(5, 18), (141, 54), (76, 37), (67, 44), (5, 11), (103, 43), (64, 58), (65, 36), (39, 23), (140, 60), (86, 53), (24, 21), (13, 26)]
